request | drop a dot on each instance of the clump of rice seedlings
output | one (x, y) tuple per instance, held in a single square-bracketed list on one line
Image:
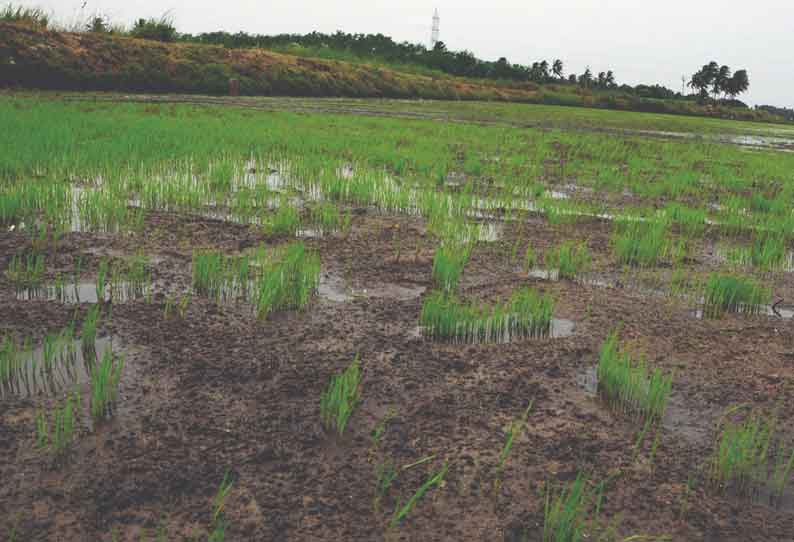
[(221, 277), (26, 271), (640, 243), (525, 314), (401, 511), (448, 264), (570, 258), (746, 459), (767, 253), (56, 431), (285, 221), (340, 398), (629, 386), (288, 281), (568, 515), (105, 379), (89, 331), (691, 222), (730, 293), (10, 365), (328, 218)]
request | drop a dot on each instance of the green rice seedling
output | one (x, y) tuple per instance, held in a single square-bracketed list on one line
[(767, 253), (105, 380), (340, 398), (89, 332), (101, 279), (565, 516), (219, 501), (288, 281), (169, 307), (58, 435), (448, 264), (530, 259), (385, 474), (746, 460), (629, 386), (640, 243), (26, 271), (184, 303), (515, 430), (733, 293), (285, 221), (401, 511), (525, 314), (380, 429), (570, 258)]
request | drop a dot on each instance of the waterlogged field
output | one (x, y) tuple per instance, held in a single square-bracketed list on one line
[(392, 321)]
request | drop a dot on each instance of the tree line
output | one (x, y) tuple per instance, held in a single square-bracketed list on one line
[(718, 80)]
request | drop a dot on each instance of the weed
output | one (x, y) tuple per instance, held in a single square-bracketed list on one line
[(341, 397)]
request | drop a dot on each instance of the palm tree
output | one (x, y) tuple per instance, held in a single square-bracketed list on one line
[(556, 68), (720, 80)]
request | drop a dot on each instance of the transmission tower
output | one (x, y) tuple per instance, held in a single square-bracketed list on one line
[(436, 30)]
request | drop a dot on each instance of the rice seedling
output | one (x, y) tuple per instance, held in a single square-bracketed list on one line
[(105, 379), (385, 474), (767, 253), (402, 510), (219, 501), (514, 431), (565, 515), (288, 281), (747, 460), (26, 271), (101, 279), (640, 243), (569, 258), (629, 386), (530, 259), (340, 398), (448, 264), (525, 314), (57, 435), (89, 330), (733, 293), (380, 429)]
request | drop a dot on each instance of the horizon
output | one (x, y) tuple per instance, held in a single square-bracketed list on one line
[(626, 37)]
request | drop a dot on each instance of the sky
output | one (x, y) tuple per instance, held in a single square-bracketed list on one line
[(642, 42)]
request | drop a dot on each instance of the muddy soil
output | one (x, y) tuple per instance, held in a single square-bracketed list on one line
[(217, 391)]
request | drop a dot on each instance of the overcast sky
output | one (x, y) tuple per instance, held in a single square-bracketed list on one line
[(642, 41)]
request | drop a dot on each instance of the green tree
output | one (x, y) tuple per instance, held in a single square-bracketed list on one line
[(556, 68)]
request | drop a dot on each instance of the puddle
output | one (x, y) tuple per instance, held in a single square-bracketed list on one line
[(82, 292), (70, 367), (333, 288), (544, 274), (561, 328), (767, 310), (588, 381)]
